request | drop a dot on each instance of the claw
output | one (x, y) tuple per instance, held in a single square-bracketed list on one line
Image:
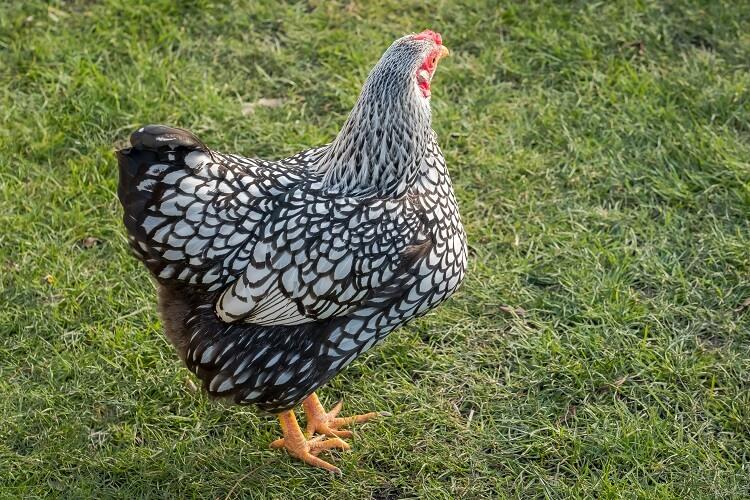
[(326, 424), (336, 408), (322, 422), (307, 450)]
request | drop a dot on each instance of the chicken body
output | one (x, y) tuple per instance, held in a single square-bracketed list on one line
[(275, 275)]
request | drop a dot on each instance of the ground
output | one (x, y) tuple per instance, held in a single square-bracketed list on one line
[(600, 153)]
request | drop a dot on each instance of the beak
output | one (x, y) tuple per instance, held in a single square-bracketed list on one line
[(444, 51)]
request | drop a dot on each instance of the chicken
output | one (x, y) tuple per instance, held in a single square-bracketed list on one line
[(275, 275)]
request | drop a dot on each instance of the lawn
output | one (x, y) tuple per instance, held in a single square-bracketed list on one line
[(600, 345)]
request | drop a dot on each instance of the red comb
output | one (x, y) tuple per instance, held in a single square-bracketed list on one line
[(431, 35)]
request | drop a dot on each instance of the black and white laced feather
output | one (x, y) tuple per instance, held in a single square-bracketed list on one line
[(290, 269)]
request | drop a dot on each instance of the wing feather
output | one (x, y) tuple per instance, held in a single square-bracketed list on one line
[(319, 273), (264, 236)]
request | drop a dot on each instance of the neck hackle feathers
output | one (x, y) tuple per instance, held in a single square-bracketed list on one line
[(380, 147)]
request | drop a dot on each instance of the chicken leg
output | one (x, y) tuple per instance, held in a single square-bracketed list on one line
[(298, 446), (327, 423)]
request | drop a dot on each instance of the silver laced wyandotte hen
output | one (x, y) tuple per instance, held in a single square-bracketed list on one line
[(274, 275)]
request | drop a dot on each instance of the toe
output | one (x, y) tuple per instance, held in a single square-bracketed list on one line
[(329, 443), (324, 428), (336, 409), (355, 419), (340, 433), (311, 459)]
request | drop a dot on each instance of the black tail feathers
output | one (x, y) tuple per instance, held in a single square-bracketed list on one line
[(162, 137), (149, 145)]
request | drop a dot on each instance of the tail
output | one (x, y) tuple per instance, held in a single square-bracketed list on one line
[(150, 145), (175, 198)]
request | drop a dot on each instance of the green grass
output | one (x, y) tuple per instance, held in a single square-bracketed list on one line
[(601, 156)]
